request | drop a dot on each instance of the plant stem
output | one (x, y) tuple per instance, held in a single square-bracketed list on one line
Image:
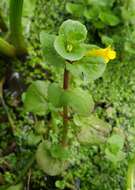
[(3, 25), (5, 106), (26, 168), (65, 109), (16, 35), (8, 114), (6, 48), (130, 175)]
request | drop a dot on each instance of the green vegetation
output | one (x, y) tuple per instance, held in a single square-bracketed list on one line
[(67, 52), (96, 144), (16, 35)]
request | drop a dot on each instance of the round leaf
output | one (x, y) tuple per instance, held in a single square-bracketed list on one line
[(92, 67), (114, 148), (80, 101), (69, 51), (92, 13), (50, 165), (94, 70), (93, 130), (75, 9), (50, 54), (54, 94), (73, 31), (35, 98)]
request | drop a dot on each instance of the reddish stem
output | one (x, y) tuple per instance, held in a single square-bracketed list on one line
[(65, 109)]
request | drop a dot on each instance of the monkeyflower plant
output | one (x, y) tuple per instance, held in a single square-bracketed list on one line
[(66, 104)]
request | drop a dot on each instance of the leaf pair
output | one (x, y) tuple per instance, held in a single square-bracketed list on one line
[(68, 45), (37, 96), (79, 100)]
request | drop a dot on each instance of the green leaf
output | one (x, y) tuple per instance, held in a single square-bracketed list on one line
[(92, 130), (15, 187), (116, 142), (106, 40), (114, 148), (60, 184), (114, 157), (75, 9), (50, 54), (95, 68), (54, 94), (68, 50), (28, 8), (109, 18), (100, 3), (69, 43), (35, 98), (90, 67), (99, 24), (92, 13), (27, 13), (80, 101), (57, 151), (73, 31), (33, 139), (75, 69), (47, 163)]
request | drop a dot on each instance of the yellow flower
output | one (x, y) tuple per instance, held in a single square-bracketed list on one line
[(107, 53)]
